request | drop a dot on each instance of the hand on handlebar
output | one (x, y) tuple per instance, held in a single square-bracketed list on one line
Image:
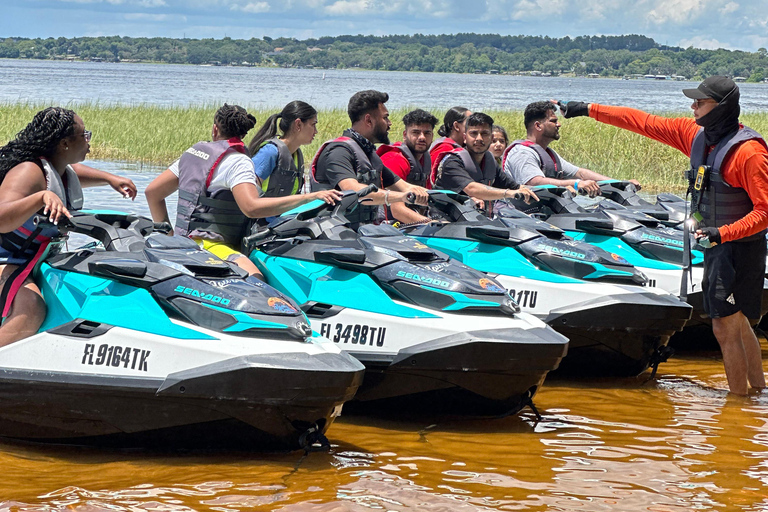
[(588, 187), (636, 184), (53, 207), (417, 195), (329, 196), (526, 194)]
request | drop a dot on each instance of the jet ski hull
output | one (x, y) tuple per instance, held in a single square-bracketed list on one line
[(106, 389)]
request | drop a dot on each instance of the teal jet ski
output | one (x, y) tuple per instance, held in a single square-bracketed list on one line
[(616, 325), (431, 332), (151, 341)]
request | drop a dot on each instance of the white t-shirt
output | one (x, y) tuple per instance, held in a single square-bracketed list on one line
[(523, 164), (234, 169)]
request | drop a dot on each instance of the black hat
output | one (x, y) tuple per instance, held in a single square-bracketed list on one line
[(715, 87)]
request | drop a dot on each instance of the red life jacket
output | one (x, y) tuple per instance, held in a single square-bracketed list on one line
[(440, 148)]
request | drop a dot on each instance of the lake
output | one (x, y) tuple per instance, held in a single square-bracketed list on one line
[(68, 83)]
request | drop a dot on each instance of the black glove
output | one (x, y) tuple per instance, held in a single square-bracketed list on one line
[(708, 237), (574, 109)]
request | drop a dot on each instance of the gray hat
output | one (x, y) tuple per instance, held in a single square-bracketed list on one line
[(714, 87)]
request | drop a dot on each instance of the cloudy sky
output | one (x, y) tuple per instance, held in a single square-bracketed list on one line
[(733, 24)]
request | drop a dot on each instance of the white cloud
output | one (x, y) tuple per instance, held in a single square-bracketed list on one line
[(251, 7), (729, 8), (347, 7), (677, 11), (143, 16), (704, 43)]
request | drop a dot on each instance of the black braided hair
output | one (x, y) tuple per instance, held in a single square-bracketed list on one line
[(39, 138), (233, 121)]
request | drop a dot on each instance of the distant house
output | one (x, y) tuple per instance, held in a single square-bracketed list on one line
[(593, 75), (739, 79)]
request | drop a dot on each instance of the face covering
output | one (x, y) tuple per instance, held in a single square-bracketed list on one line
[(721, 120)]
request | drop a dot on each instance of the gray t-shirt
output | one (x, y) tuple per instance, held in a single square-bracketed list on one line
[(523, 164)]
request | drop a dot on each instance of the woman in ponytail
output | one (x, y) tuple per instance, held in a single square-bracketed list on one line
[(219, 191), (276, 149)]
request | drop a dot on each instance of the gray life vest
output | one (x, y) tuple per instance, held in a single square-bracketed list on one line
[(719, 203), (287, 178), (485, 174), (549, 161), (368, 170), (200, 214), (19, 246)]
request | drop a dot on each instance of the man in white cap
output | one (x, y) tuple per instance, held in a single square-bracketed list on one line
[(728, 181)]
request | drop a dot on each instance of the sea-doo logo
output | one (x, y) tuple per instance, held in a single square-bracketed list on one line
[(198, 153), (425, 280), (489, 285), (205, 296), (567, 253), (280, 305), (662, 239)]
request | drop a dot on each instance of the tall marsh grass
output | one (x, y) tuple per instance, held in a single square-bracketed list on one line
[(158, 135)]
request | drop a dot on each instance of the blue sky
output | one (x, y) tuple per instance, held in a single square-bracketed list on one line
[(708, 24)]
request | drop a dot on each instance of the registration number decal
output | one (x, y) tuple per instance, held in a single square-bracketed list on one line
[(525, 298), (356, 334), (113, 355)]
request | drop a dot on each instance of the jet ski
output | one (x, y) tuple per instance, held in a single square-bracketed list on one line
[(431, 332), (669, 209), (149, 340), (616, 326), (624, 237)]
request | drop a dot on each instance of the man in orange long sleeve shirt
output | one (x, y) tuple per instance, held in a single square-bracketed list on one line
[(733, 206)]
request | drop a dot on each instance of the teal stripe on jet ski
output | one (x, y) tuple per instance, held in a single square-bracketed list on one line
[(495, 259), (601, 271), (306, 281), (462, 301), (245, 321), (103, 212), (304, 207), (617, 246), (69, 295)]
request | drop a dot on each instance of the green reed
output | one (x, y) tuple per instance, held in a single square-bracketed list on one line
[(158, 135)]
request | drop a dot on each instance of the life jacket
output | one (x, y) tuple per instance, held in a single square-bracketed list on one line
[(717, 202), (200, 214), (419, 172), (368, 170), (437, 151), (287, 178), (549, 161), (485, 174), (26, 245)]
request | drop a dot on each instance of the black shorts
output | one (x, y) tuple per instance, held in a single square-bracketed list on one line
[(733, 279)]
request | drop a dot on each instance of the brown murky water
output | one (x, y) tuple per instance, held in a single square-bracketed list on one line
[(678, 443)]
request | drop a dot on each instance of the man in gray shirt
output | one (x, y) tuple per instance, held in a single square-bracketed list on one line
[(531, 162)]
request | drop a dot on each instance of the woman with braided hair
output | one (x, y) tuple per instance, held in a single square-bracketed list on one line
[(219, 190), (39, 171)]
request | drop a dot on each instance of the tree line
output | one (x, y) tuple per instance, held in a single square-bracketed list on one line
[(610, 56)]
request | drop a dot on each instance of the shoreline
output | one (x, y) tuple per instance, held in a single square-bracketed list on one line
[(157, 136)]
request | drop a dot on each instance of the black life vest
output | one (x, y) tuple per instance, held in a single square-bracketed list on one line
[(486, 173), (287, 178), (549, 161), (368, 170), (200, 214), (719, 203), (419, 172)]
